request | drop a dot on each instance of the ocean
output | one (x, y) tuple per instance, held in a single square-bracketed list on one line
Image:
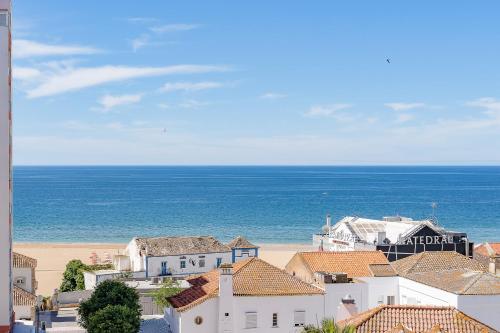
[(266, 204)]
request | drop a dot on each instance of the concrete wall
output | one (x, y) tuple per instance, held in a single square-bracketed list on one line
[(422, 294), (485, 308), (174, 263), (25, 273), (5, 176), (334, 292), (379, 288)]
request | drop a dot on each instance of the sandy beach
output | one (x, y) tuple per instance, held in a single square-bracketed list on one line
[(53, 257)]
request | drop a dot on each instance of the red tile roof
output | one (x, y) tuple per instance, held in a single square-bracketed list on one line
[(488, 249), (354, 263), (415, 319), (251, 277)]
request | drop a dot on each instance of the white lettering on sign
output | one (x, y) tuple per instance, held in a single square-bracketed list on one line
[(428, 240)]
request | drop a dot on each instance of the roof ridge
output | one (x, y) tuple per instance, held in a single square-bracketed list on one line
[(473, 282)]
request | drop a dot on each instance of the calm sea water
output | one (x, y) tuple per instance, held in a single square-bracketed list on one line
[(266, 204)]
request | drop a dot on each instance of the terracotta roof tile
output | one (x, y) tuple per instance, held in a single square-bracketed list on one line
[(168, 246), (22, 297), (417, 319), (488, 249), (20, 260), (432, 261), (354, 263), (459, 281), (251, 277), (241, 242)]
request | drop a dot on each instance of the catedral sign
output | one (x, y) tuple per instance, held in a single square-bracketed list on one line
[(428, 240)]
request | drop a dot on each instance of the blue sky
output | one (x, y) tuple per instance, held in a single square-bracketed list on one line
[(220, 82)]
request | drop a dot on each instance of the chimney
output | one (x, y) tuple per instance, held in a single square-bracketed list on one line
[(328, 223), (226, 312), (347, 308)]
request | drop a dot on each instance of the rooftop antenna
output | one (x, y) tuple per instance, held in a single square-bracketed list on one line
[(434, 206)]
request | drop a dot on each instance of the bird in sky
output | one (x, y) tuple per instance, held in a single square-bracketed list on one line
[(388, 60)]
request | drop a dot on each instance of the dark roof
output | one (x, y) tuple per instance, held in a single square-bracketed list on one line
[(170, 246), (415, 319), (241, 242), (251, 277)]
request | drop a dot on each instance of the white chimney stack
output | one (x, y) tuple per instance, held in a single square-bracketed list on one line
[(226, 312), (5, 168), (347, 308), (328, 223)]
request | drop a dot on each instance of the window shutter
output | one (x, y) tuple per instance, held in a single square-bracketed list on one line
[(299, 318), (251, 320)]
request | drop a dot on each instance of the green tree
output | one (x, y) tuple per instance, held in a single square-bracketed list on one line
[(169, 288), (114, 319), (328, 326), (110, 292), (71, 280)]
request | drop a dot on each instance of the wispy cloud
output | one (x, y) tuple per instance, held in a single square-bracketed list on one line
[(272, 95), (190, 86), (404, 117), (327, 110), (25, 73), (193, 104), (404, 106), (73, 79), (140, 42), (173, 27), (110, 101), (23, 48), (491, 105)]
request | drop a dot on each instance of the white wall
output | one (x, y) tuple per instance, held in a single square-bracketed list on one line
[(334, 292), (284, 306), (485, 308), (174, 263), (379, 288), (423, 294), (24, 272), (22, 312), (5, 176), (136, 261)]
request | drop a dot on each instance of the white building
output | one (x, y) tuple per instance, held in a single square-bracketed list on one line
[(366, 276), (175, 256), (396, 236), (249, 296), (25, 285), (450, 279), (5, 168)]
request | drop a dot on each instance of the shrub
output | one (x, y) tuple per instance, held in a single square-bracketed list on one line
[(168, 288), (110, 292), (73, 275), (114, 319)]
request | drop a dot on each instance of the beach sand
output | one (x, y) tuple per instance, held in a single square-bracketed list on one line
[(53, 257)]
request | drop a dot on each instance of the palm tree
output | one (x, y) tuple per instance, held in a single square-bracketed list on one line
[(329, 326)]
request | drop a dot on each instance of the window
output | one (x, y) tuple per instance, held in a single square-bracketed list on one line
[(4, 19), (275, 320), (219, 262), (380, 300), (391, 300), (201, 262), (251, 320), (183, 263), (198, 320), (299, 318), (19, 281)]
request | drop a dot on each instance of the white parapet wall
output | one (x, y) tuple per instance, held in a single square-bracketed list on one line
[(5, 169)]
